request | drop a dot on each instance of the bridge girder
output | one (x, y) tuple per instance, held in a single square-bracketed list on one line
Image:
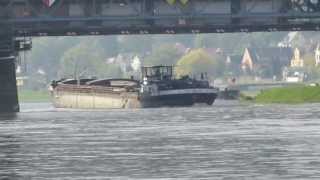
[(97, 17)]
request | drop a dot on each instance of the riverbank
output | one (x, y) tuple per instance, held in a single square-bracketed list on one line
[(33, 96), (288, 95)]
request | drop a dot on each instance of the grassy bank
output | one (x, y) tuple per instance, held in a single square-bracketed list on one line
[(290, 95), (33, 96)]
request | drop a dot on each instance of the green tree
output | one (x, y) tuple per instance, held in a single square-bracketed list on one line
[(199, 61), (166, 54), (109, 44), (235, 43), (93, 60), (139, 44), (46, 54), (83, 59), (185, 39), (111, 71)]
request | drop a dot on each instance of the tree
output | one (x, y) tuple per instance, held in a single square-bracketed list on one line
[(46, 54), (185, 39), (199, 61), (235, 43), (83, 59), (110, 45), (166, 54), (135, 44)]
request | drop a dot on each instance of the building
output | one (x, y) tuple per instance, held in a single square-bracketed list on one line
[(21, 80), (232, 64), (265, 62), (297, 61), (296, 72), (317, 55), (294, 75), (248, 60)]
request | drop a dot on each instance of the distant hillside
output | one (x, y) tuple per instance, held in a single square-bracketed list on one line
[(58, 57)]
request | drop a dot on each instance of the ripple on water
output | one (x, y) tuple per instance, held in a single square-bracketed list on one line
[(225, 141)]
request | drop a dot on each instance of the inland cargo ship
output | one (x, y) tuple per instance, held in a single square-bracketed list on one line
[(160, 88), (157, 88)]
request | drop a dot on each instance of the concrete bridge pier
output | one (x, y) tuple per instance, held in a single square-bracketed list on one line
[(8, 87)]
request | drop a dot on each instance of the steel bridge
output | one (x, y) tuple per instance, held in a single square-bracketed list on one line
[(96, 17), (26, 18)]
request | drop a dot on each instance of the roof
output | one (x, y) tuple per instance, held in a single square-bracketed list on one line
[(236, 59), (282, 54)]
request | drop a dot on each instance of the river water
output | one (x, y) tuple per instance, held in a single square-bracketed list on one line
[(226, 141)]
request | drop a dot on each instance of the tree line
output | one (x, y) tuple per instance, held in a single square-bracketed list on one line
[(61, 57)]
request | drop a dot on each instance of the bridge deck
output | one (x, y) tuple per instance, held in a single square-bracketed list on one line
[(95, 17)]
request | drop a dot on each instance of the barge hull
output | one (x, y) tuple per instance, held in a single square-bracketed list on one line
[(177, 100), (95, 101)]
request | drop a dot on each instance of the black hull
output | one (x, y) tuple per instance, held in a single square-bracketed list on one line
[(177, 100)]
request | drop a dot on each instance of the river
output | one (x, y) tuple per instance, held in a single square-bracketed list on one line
[(226, 141)]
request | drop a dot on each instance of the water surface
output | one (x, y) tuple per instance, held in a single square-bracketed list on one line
[(226, 141)]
